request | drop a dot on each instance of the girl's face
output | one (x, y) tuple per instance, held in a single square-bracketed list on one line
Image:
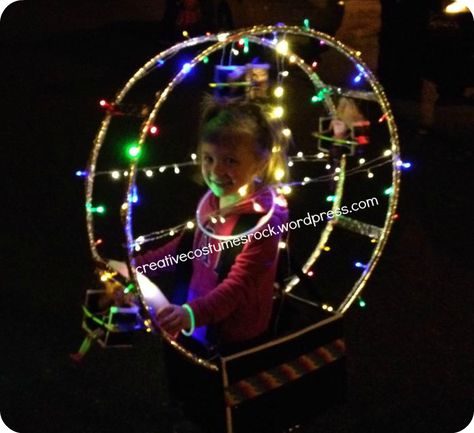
[(228, 167)]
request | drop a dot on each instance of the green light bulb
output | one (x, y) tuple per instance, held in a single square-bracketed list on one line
[(98, 209), (362, 303), (133, 151), (330, 198), (388, 191), (129, 288), (306, 23)]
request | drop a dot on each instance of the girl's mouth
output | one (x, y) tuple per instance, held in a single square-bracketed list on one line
[(222, 184)]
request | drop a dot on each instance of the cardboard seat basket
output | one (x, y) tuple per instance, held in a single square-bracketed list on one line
[(295, 374)]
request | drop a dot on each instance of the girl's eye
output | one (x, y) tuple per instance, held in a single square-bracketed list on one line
[(231, 161), (207, 159)]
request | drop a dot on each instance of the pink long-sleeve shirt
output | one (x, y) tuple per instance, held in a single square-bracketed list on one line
[(240, 305)]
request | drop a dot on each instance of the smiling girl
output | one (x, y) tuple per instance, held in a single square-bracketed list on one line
[(231, 303)]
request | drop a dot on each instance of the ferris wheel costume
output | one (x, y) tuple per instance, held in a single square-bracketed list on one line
[(265, 382)]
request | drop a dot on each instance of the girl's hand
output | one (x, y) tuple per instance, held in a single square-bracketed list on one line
[(173, 318)]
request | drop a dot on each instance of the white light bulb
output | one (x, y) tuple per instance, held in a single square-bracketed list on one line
[(149, 173), (286, 132), (115, 175), (279, 174), (278, 112), (243, 190), (282, 47), (456, 7), (361, 161), (278, 92)]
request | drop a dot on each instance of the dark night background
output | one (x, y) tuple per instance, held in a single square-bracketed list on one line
[(410, 351)]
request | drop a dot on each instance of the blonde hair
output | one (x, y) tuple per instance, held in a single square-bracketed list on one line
[(232, 121), (348, 111)]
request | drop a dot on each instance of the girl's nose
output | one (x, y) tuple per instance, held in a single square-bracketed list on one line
[(218, 170)]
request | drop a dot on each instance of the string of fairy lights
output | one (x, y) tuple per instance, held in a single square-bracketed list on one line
[(324, 91), (300, 157)]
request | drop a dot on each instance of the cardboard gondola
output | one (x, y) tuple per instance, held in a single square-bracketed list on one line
[(295, 371)]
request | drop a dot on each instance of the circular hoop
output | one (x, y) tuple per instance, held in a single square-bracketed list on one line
[(257, 35)]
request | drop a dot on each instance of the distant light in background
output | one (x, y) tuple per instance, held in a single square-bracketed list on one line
[(459, 6)]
